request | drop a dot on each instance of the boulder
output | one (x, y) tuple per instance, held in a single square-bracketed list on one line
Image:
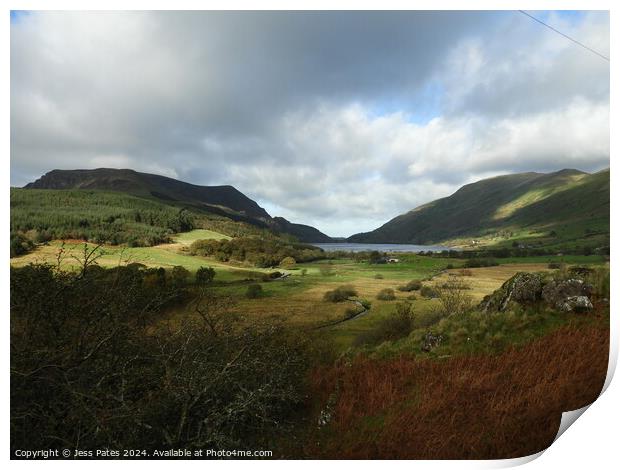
[(431, 341), (565, 295), (577, 303), (523, 288), (558, 292)]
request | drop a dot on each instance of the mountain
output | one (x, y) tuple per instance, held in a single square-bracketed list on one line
[(221, 200), (567, 204), (300, 231), (145, 184)]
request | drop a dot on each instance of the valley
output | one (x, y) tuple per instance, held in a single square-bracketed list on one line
[(298, 298), (335, 320), (315, 233)]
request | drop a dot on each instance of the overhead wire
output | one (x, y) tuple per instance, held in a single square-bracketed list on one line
[(565, 35)]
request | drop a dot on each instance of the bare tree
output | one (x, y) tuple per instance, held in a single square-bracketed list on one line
[(453, 296), (89, 257)]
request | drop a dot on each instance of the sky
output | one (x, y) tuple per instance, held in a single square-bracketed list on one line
[(339, 120)]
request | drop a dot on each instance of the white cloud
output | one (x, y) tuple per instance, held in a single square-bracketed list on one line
[(364, 168), (284, 106)]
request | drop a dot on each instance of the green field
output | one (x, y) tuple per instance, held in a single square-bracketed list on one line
[(298, 299), (187, 238), (296, 331)]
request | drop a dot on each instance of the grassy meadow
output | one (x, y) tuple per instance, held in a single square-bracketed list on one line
[(299, 298), (360, 366)]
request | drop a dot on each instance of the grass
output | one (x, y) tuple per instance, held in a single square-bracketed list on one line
[(158, 256), (482, 282), (465, 407), (494, 388), (520, 207), (187, 238), (568, 259), (299, 298), (412, 267)]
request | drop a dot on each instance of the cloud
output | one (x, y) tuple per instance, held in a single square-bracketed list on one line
[(340, 120), (366, 168), (523, 67)]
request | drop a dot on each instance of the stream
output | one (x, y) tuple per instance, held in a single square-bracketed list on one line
[(361, 313)]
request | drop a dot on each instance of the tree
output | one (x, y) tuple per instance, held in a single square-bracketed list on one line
[(85, 374), (376, 258), (179, 275), (288, 262), (453, 296), (19, 244), (205, 275)]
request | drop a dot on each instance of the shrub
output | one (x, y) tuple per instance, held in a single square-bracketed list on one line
[(261, 252), (428, 292), (204, 275), (340, 294), (428, 318), (42, 236), (378, 276), (454, 283), (386, 294), (20, 244), (452, 296), (410, 286), (376, 258), (179, 275), (75, 360), (395, 326), (288, 262), (254, 291)]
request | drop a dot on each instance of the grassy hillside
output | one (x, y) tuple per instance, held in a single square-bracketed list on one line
[(96, 215), (365, 386), (225, 201), (558, 208), (144, 184), (39, 215), (304, 233)]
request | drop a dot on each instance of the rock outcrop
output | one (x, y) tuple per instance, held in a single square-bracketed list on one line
[(577, 303), (565, 295), (522, 288), (568, 295)]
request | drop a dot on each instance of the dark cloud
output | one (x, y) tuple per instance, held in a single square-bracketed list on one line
[(337, 119)]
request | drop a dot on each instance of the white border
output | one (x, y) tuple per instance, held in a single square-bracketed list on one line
[(592, 443)]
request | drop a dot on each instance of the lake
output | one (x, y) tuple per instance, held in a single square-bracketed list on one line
[(381, 247)]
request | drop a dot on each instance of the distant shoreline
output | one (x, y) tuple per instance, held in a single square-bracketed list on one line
[(384, 247)]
